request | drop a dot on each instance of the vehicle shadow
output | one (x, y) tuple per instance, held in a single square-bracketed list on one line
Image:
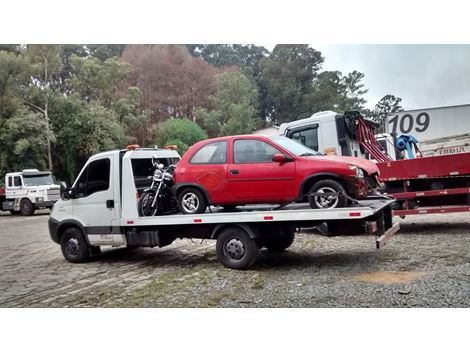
[(430, 228), (266, 260)]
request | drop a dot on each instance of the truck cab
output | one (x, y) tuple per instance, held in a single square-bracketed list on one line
[(28, 190), (332, 133)]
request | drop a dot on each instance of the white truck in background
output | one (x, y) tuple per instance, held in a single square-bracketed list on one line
[(28, 190), (439, 131)]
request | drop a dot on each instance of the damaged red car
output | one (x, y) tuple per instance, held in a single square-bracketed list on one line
[(252, 169)]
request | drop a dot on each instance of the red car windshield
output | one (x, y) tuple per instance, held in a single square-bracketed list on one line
[(294, 147)]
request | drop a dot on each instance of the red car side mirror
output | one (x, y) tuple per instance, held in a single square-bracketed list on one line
[(281, 158)]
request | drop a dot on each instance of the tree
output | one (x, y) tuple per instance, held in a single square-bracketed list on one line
[(388, 104), (23, 141), (246, 56), (98, 80), (105, 51), (233, 106), (173, 83), (333, 91), (180, 131), (45, 63), (286, 82), (83, 129)]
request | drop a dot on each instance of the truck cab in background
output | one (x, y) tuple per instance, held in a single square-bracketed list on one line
[(28, 190), (327, 132)]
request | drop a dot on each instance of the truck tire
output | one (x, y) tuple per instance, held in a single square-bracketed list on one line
[(73, 246), (327, 202), (26, 207), (235, 249), (281, 241), (191, 201)]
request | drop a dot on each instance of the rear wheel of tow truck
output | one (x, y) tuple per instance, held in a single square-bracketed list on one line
[(281, 241), (26, 207), (73, 245), (330, 195), (235, 249)]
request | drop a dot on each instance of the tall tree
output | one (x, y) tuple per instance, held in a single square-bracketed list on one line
[(286, 82), (245, 56), (45, 64), (333, 91), (173, 82)]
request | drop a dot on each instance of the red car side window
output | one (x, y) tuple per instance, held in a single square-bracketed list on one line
[(212, 153), (252, 151)]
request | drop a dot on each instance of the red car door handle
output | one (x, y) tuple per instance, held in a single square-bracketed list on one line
[(234, 172)]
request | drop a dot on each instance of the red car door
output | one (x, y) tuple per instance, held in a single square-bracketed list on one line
[(252, 176)]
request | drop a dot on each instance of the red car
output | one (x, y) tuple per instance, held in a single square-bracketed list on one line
[(250, 169)]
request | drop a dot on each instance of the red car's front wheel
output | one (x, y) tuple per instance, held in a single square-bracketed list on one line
[(327, 194)]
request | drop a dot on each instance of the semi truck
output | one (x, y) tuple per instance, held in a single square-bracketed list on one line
[(100, 209), (437, 180), (28, 190), (439, 131)]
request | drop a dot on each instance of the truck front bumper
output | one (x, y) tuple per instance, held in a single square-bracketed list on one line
[(53, 229), (44, 204)]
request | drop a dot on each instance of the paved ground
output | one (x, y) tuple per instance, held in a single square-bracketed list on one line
[(427, 265)]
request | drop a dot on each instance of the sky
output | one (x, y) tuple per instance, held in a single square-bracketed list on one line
[(423, 76)]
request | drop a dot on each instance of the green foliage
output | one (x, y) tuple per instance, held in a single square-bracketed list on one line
[(234, 106), (180, 131), (22, 141), (97, 80), (83, 129), (286, 82), (220, 55), (333, 91)]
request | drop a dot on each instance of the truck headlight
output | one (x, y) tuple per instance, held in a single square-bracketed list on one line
[(39, 199)]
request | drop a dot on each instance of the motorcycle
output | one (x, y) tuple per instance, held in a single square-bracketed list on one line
[(158, 198)]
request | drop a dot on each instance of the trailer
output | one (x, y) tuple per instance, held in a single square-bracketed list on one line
[(440, 130), (102, 211), (439, 183)]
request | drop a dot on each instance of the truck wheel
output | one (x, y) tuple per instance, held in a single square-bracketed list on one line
[(191, 201), (325, 201), (26, 207), (73, 245), (281, 241), (235, 249)]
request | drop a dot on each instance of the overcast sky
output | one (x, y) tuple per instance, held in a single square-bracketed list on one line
[(422, 75)]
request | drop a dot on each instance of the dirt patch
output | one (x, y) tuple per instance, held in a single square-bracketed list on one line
[(391, 277)]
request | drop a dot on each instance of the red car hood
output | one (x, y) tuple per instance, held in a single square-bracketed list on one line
[(364, 164)]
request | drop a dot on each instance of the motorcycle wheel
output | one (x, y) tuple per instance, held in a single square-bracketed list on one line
[(145, 205)]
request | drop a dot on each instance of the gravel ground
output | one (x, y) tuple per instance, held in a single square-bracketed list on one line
[(426, 265)]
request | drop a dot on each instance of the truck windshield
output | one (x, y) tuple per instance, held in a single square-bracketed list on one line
[(38, 180), (294, 147)]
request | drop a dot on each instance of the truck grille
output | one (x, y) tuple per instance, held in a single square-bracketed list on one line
[(53, 194)]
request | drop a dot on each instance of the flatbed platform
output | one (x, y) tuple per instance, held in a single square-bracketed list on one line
[(265, 213)]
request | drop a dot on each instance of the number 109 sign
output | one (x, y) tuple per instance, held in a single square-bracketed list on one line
[(430, 124)]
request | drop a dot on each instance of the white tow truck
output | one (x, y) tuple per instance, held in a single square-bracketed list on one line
[(100, 209), (28, 190)]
